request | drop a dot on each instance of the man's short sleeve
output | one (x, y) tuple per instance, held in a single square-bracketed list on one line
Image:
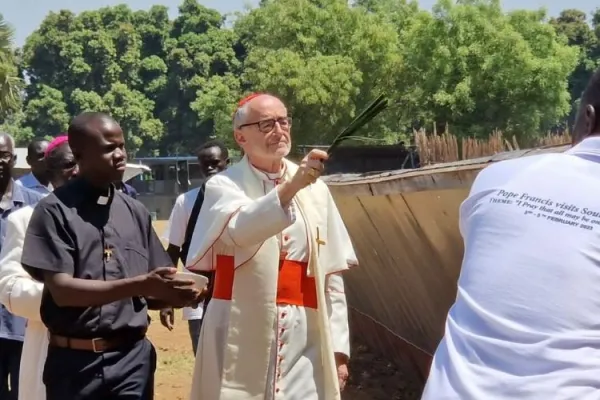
[(48, 244), (157, 256), (175, 232), (131, 191)]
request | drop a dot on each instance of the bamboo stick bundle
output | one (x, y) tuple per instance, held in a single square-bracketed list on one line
[(497, 143), (555, 139), (515, 144), (434, 148), (442, 148), (454, 145), (471, 148), (435, 156), (439, 147), (423, 146), (465, 147)]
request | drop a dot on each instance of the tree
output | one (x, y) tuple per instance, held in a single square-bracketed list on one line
[(573, 25), (47, 111), (203, 72), (14, 124), (326, 60), (172, 84), (474, 67), (10, 83), (146, 70)]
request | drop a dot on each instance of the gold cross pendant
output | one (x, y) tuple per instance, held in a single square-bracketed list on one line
[(107, 254), (320, 241)]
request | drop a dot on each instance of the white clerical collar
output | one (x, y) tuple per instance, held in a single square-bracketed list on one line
[(269, 176), (104, 200)]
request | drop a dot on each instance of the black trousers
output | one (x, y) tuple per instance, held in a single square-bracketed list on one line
[(127, 374), (10, 361)]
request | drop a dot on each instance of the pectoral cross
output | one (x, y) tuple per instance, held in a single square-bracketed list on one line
[(107, 254), (320, 242)]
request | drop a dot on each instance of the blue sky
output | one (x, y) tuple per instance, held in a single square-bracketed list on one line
[(26, 15)]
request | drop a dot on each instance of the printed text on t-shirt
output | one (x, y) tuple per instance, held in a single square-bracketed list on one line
[(551, 210)]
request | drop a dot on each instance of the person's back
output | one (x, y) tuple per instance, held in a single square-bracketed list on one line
[(526, 321)]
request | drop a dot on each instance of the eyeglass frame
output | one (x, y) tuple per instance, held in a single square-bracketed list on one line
[(274, 120)]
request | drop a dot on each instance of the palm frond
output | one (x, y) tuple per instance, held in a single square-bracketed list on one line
[(365, 116), (7, 36), (10, 89)]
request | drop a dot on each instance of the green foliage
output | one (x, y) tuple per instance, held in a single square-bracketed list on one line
[(47, 111), (326, 61), (476, 68), (15, 126), (10, 83), (147, 71), (172, 84), (572, 25)]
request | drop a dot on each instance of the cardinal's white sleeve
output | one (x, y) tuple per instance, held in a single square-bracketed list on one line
[(257, 221), (337, 308), (229, 216), (19, 293)]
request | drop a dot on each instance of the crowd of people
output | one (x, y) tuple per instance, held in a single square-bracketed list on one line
[(81, 265)]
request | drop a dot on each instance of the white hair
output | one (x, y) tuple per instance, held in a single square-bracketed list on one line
[(239, 118), (241, 114)]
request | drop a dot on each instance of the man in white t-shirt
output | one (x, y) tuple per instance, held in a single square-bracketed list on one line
[(213, 158), (526, 321)]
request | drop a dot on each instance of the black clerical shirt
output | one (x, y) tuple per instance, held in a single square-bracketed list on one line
[(90, 234)]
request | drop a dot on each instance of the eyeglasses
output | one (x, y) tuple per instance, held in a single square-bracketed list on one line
[(267, 125)]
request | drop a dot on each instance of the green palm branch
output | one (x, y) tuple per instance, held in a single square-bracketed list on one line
[(365, 116), (10, 83), (7, 35), (10, 89)]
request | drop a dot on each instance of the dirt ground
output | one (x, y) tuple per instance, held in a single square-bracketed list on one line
[(371, 377)]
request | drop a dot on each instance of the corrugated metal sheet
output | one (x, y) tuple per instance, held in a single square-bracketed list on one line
[(404, 226)]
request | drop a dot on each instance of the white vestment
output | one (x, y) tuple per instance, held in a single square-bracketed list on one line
[(174, 234), (22, 296), (526, 321), (251, 347)]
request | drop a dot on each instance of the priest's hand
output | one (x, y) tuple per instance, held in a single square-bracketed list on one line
[(341, 362), (308, 172), (311, 168), (200, 298), (191, 302), (167, 318), (163, 286)]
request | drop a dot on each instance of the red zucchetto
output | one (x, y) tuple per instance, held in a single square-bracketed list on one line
[(248, 98), (57, 141)]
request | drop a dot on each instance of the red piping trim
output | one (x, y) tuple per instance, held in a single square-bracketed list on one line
[(215, 241)]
